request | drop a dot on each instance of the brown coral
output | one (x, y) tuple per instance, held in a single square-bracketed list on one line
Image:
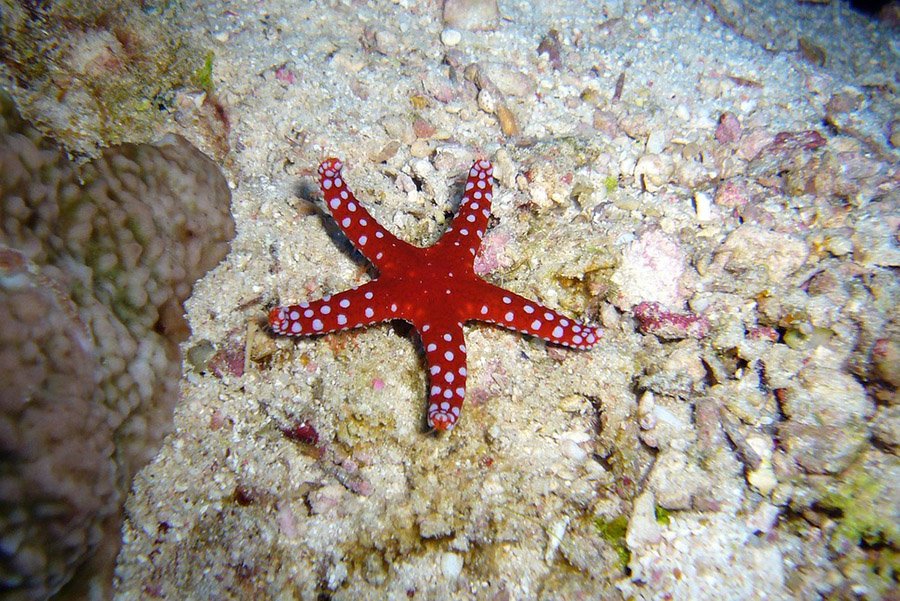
[(95, 263)]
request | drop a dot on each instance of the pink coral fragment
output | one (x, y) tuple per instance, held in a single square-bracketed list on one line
[(789, 142), (654, 319), (729, 129), (285, 74), (763, 333)]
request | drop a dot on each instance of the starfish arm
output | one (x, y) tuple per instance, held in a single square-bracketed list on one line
[(515, 312), (366, 234), (470, 223), (445, 354), (353, 308)]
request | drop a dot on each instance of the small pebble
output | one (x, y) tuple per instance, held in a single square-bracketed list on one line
[(487, 102), (451, 565), (703, 204), (508, 124), (450, 37), (656, 142), (728, 129)]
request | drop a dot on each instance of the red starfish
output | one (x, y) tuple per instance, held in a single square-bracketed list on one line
[(434, 288)]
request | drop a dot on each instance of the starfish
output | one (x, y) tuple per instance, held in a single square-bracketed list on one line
[(434, 288)]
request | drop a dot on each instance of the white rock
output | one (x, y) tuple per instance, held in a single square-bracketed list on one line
[(703, 204), (450, 37), (555, 535), (643, 528), (656, 142), (451, 565)]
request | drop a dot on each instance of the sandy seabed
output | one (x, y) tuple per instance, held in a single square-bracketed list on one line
[(713, 183)]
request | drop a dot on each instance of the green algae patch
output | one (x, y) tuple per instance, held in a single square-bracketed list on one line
[(202, 77), (611, 183), (865, 535), (613, 532), (663, 515), (862, 519)]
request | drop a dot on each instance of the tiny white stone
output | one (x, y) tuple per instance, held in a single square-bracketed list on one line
[(450, 37), (703, 204)]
